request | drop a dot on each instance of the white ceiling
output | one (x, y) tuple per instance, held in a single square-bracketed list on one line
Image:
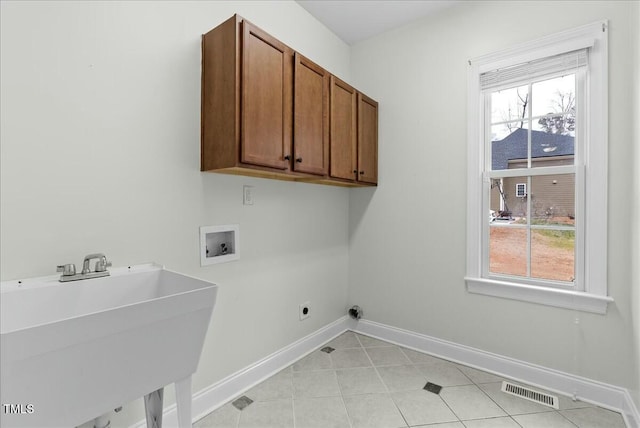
[(356, 20)]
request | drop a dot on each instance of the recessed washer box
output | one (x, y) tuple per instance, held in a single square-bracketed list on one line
[(219, 244)]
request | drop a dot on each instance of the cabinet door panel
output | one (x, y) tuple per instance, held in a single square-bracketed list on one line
[(266, 99), (367, 139), (343, 130), (311, 117)]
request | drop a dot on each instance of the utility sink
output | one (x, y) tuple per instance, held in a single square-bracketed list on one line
[(75, 350)]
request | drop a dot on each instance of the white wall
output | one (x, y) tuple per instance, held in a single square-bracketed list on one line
[(101, 152), (407, 239)]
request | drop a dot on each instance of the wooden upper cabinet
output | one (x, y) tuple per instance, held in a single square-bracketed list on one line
[(343, 130), (311, 117), (354, 134), (268, 111), (367, 139), (267, 72), (220, 112), (247, 100)]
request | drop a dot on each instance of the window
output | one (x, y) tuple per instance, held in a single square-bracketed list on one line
[(537, 146)]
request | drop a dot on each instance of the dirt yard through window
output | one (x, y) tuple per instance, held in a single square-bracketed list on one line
[(552, 253)]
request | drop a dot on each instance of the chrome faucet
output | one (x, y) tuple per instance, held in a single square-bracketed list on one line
[(101, 265), (69, 270)]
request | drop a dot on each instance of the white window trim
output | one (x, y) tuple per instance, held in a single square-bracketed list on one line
[(524, 187), (593, 297)]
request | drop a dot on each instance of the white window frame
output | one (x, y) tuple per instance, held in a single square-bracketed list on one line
[(524, 188), (590, 293)]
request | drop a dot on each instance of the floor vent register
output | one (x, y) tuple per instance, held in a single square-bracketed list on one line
[(530, 394)]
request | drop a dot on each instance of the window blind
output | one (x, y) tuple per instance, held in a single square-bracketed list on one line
[(567, 62)]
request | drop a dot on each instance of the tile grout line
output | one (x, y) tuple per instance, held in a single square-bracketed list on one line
[(511, 416), (463, 373), (293, 404), (516, 422), (330, 369), (477, 384), (375, 369), (344, 405), (335, 370), (440, 397), (382, 380), (570, 421), (489, 397)]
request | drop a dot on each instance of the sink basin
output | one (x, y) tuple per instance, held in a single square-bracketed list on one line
[(73, 351)]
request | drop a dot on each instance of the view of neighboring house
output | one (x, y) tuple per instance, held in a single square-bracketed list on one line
[(551, 195)]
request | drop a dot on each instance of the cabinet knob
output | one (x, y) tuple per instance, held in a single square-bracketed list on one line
[(287, 157), (361, 172), (299, 160), (355, 171)]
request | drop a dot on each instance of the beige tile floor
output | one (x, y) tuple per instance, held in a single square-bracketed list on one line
[(368, 383)]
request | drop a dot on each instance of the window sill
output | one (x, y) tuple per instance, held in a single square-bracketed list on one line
[(576, 300)]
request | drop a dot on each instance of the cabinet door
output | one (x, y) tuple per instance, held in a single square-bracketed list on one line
[(311, 117), (343, 130), (267, 105), (367, 139)]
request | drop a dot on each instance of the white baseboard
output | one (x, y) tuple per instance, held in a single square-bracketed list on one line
[(598, 393), (209, 399)]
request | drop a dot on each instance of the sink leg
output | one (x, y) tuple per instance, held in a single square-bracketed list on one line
[(153, 408), (183, 402)]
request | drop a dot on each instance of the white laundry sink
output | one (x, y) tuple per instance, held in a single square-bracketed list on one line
[(75, 350)]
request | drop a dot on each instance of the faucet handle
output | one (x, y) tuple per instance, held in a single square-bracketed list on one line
[(102, 264), (67, 270)]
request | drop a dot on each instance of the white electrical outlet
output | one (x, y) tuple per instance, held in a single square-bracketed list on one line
[(247, 195), (305, 310)]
